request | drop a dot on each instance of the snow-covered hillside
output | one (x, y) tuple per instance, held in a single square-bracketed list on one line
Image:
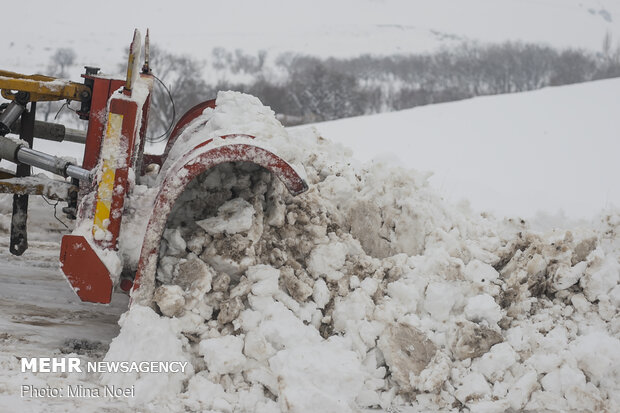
[(550, 150), (323, 27)]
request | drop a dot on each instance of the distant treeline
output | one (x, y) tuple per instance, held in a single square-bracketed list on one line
[(303, 89), (324, 89)]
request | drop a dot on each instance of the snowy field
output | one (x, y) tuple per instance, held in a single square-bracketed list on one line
[(553, 151)]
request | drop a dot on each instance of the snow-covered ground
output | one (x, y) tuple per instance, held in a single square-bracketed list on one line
[(553, 150), (40, 316), (370, 291)]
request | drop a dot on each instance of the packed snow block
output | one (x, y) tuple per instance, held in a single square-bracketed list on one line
[(483, 308), (322, 377), (193, 273), (145, 336), (520, 392), (327, 260), (205, 395), (232, 255), (223, 355), (433, 377), (406, 294), (257, 347), (221, 282), (320, 293), (232, 217), (265, 279), (175, 244), (165, 268), (494, 363), (170, 300), (598, 355), (229, 310), (601, 276), (566, 276), (583, 249), (242, 289), (571, 382), (407, 350), (480, 273), (474, 387), (439, 299), (366, 223), (298, 289), (471, 340), (355, 307)]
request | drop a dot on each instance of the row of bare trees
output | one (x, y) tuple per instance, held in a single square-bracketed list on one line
[(304, 89)]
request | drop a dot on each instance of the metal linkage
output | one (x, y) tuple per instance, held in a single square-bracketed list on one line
[(12, 112), (53, 132), (52, 164)]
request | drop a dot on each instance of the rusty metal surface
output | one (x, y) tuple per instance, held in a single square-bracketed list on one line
[(36, 185)]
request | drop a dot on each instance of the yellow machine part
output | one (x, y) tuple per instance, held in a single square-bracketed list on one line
[(106, 184), (41, 88)]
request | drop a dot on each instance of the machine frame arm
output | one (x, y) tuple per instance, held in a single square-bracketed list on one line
[(42, 88)]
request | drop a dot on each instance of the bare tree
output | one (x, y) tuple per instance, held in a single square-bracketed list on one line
[(183, 76), (60, 60)]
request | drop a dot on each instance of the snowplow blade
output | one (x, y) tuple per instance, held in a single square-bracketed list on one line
[(229, 148)]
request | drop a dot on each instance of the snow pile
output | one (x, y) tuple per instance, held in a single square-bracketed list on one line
[(370, 291)]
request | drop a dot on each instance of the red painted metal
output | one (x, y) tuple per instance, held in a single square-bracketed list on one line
[(187, 168), (88, 276), (129, 110), (80, 263), (148, 159), (126, 284), (189, 116), (103, 88), (138, 156)]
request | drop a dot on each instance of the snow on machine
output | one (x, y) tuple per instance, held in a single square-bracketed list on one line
[(117, 112)]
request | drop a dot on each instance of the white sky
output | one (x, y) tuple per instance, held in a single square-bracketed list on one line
[(99, 31)]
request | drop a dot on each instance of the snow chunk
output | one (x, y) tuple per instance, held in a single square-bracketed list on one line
[(520, 392), (223, 355), (480, 273), (145, 336), (494, 363), (265, 279), (474, 387), (320, 293), (439, 300), (601, 278), (483, 307), (407, 350), (326, 260), (598, 354), (169, 299), (564, 279), (176, 243), (322, 377), (232, 217)]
